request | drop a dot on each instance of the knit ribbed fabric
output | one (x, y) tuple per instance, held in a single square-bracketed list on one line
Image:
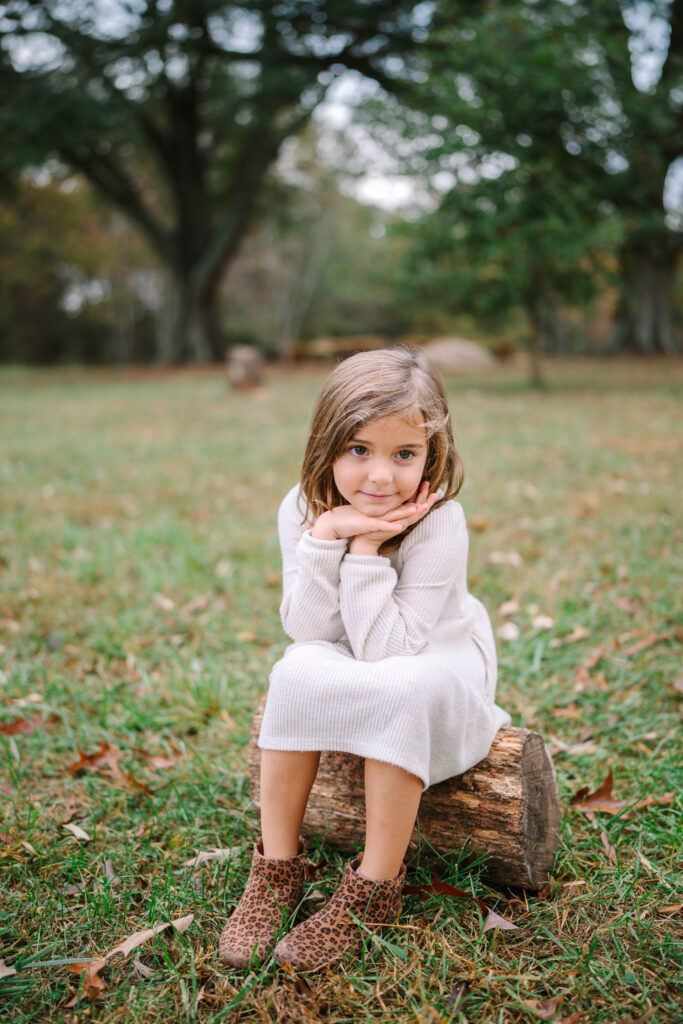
[(392, 658)]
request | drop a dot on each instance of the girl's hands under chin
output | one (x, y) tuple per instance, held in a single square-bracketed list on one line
[(369, 532), (403, 516)]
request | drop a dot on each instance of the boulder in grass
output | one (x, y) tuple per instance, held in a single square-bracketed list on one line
[(457, 355)]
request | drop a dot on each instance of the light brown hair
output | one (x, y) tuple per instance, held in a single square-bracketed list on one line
[(370, 386)]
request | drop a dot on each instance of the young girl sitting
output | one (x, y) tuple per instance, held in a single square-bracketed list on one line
[(393, 660)]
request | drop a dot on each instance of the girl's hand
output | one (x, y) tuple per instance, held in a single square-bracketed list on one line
[(403, 516)]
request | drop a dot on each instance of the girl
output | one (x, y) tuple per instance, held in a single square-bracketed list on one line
[(392, 660)]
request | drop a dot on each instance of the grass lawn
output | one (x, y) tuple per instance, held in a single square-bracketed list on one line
[(139, 592)]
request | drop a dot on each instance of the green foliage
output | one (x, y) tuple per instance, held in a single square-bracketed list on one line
[(176, 112)]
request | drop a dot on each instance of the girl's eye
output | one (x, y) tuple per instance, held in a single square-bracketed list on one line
[(358, 449), (405, 455)]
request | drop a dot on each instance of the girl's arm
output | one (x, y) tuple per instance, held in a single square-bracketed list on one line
[(385, 615), (310, 578)]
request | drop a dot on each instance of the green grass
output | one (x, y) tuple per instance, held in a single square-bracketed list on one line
[(126, 496)]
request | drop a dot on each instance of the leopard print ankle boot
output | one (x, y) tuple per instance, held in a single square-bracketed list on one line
[(331, 933), (272, 894)]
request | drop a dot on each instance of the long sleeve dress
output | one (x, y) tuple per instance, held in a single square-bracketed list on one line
[(392, 658)]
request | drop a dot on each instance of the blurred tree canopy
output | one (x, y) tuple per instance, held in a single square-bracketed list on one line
[(552, 158), (532, 128), (176, 109)]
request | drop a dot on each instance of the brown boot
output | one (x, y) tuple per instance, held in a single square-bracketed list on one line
[(332, 933), (272, 894)]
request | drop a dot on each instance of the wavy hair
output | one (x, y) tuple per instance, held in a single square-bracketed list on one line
[(369, 386)]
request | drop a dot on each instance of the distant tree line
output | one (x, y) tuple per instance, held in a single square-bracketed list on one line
[(545, 163)]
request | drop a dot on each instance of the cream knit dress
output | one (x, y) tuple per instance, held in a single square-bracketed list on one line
[(392, 658)]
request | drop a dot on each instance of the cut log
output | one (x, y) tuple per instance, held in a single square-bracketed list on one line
[(506, 807)]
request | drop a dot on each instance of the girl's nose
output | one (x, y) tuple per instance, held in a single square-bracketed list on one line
[(380, 471)]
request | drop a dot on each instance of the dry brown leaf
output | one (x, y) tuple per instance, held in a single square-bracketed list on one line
[(577, 633), (626, 605), (27, 846), (110, 874), (165, 603), (647, 641), (505, 558), (609, 849), (197, 604), (273, 579), (27, 725), (603, 799), (546, 1008), (78, 832), (459, 993), (107, 757), (215, 853), (74, 889), (446, 889), (5, 970), (245, 636), (143, 970), (138, 938), (571, 711), (92, 985)]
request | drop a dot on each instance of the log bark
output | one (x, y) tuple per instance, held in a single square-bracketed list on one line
[(506, 807)]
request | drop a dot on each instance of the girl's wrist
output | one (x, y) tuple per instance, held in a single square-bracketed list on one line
[(323, 528), (360, 546)]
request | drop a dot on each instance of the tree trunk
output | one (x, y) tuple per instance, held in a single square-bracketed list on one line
[(506, 807), (195, 329), (536, 378), (644, 320)]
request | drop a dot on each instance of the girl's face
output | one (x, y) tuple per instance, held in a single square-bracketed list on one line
[(381, 466)]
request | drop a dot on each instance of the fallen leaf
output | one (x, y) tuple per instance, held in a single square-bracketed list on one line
[(5, 970), (143, 970), (27, 725), (107, 756), (547, 1008), (626, 605), (582, 679), (165, 603), (577, 633), (508, 631), (510, 607), (446, 889), (571, 711), (215, 853), (273, 579), (647, 641), (138, 938), (609, 849), (645, 861), (603, 799), (459, 993), (74, 889), (30, 698), (197, 604), (77, 831), (110, 874), (542, 622), (92, 985), (478, 523), (505, 558), (245, 636), (27, 846)]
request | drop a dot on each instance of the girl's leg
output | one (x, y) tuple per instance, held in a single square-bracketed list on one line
[(286, 780), (392, 799)]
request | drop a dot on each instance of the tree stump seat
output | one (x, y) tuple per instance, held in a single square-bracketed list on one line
[(507, 807)]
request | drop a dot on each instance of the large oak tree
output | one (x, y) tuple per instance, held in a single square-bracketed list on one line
[(175, 110)]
